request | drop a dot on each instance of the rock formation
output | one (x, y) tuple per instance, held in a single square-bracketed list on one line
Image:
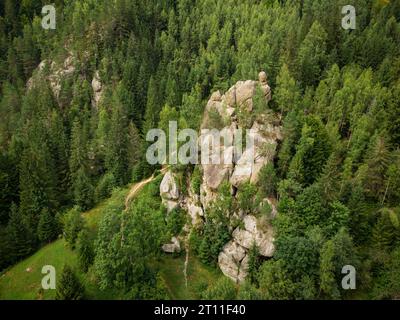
[(174, 246), (56, 73), (97, 87), (169, 191), (235, 167)]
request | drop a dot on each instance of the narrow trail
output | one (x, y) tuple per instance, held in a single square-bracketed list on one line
[(138, 186), (131, 194), (187, 249)]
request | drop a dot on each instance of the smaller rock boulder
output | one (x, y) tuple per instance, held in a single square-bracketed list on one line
[(173, 247), (168, 187)]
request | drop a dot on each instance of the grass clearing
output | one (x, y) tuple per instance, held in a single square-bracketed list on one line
[(23, 280), (199, 276)]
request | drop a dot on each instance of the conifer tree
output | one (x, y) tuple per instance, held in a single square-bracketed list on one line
[(116, 159), (311, 152), (10, 184), (19, 235), (37, 175), (59, 148), (152, 107), (47, 228), (377, 161), (73, 224), (85, 250), (327, 271), (386, 229), (312, 56), (81, 185), (254, 264), (135, 144), (69, 286), (286, 94)]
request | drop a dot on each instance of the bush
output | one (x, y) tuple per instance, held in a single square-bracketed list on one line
[(73, 224), (215, 121)]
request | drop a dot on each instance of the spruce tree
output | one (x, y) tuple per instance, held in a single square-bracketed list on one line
[(81, 184), (116, 159), (10, 184), (69, 286), (85, 250), (152, 107), (254, 264), (47, 228), (328, 283), (312, 55), (73, 224), (311, 152), (287, 93), (377, 160), (37, 175), (19, 235), (135, 144), (83, 192), (59, 148)]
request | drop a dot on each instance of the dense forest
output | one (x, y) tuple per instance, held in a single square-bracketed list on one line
[(337, 171)]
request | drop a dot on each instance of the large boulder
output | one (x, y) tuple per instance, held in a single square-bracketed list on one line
[(230, 97), (261, 152), (218, 165), (169, 191), (168, 187), (195, 212), (172, 247), (233, 261), (243, 169), (253, 233), (97, 89), (245, 91)]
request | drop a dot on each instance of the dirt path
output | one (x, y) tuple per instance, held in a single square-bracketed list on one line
[(138, 186), (131, 194), (187, 248)]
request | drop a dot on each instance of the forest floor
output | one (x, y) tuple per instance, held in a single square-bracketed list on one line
[(23, 280)]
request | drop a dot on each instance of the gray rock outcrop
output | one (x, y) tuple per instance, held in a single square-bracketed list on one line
[(173, 247), (97, 87), (169, 191), (228, 164), (56, 73)]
